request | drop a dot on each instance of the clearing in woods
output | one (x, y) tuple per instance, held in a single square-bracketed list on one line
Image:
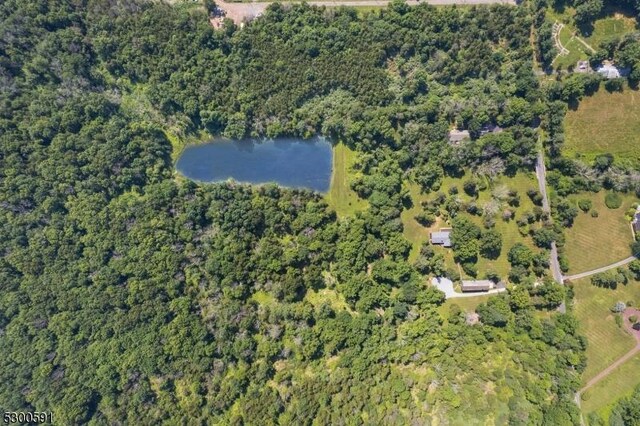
[(341, 197)]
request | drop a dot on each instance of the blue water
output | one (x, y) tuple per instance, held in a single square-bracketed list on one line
[(292, 163)]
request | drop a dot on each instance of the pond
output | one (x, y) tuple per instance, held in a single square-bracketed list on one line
[(293, 163)]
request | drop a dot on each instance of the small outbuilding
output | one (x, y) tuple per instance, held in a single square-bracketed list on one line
[(441, 237), (582, 66), (476, 285)]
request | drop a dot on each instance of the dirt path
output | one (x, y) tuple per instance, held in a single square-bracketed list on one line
[(604, 373), (585, 44), (603, 269), (635, 333), (240, 12)]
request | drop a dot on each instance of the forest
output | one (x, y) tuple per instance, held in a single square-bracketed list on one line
[(130, 295)]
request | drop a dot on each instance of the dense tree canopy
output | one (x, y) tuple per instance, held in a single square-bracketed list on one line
[(128, 293)]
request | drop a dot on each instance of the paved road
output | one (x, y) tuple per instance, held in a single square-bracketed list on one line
[(603, 269), (239, 12), (541, 174)]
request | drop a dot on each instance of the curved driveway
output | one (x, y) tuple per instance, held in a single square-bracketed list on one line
[(603, 269)]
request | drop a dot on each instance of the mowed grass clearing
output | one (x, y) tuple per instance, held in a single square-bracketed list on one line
[(466, 304), (341, 197), (611, 27), (595, 242), (620, 383), (577, 50), (605, 123), (607, 341)]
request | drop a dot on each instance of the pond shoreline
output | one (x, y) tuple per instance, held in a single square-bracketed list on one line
[(288, 162)]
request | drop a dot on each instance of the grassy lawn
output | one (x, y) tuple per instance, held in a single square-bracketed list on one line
[(341, 197), (577, 50), (595, 242), (509, 230), (607, 342), (417, 234), (610, 27), (467, 304), (605, 122), (620, 383)]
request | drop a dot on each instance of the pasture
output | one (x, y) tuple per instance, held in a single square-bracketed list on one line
[(593, 242), (607, 341), (604, 123)]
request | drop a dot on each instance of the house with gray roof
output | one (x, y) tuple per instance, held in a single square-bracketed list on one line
[(441, 237), (610, 71), (476, 285), (635, 223)]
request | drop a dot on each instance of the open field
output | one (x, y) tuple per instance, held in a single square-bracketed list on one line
[(341, 197), (607, 341), (618, 384), (595, 242), (610, 27), (417, 234), (605, 123), (241, 11)]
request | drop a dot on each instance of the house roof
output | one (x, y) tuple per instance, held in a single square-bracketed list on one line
[(441, 237), (611, 71), (476, 285)]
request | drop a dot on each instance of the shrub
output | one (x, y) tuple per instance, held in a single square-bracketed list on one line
[(619, 307), (614, 85), (633, 319), (613, 200), (585, 205), (425, 219), (618, 320), (594, 213)]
